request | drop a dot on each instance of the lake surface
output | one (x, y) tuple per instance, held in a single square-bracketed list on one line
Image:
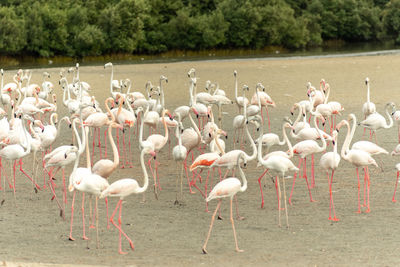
[(332, 50)]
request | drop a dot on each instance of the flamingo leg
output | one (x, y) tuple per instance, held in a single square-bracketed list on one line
[(368, 184), (84, 237), (211, 225), (99, 141), (205, 189), (279, 202), (58, 203), (285, 202), (30, 178), (233, 227), (395, 187), (358, 180), (119, 205), (105, 145), (331, 196), (312, 172), (365, 187), (262, 194), (294, 181), (72, 216)]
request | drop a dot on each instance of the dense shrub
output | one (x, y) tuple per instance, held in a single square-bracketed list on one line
[(95, 27)]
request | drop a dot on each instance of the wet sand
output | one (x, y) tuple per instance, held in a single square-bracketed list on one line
[(168, 234)]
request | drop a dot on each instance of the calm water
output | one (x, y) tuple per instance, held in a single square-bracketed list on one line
[(331, 50)]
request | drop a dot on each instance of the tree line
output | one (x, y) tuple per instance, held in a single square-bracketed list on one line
[(97, 27)]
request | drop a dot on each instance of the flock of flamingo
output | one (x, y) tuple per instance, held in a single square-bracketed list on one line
[(30, 124)]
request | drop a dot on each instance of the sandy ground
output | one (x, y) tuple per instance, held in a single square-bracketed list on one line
[(168, 234)]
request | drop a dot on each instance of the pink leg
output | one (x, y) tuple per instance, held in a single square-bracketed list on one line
[(211, 226), (99, 140), (294, 181), (30, 178), (64, 186), (368, 183), (312, 171), (365, 187), (105, 140), (331, 197), (58, 203), (84, 237), (72, 216), (395, 187), (358, 180), (259, 182), (93, 146), (205, 189), (119, 204), (108, 221)]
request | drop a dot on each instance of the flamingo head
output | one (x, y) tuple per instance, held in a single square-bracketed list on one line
[(109, 64)]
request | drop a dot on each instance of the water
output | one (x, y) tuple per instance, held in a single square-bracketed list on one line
[(331, 49)]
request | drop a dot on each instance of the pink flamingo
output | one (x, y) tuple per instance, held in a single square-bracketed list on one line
[(265, 101), (240, 100), (279, 165), (158, 141), (329, 162), (276, 153), (106, 167), (359, 158), (304, 149), (123, 188), (18, 151), (376, 121), (179, 153), (227, 188)]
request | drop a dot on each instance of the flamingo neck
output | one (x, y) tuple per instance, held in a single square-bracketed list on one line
[(108, 108), (114, 148), (390, 117), (327, 94), (244, 180), (253, 145), (323, 147), (146, 176), (286, 139), (194, 125), (88, 163), (347, 140), (111, 79)]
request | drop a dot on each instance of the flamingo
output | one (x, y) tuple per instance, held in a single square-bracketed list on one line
[(265, 100), (330, 162), (227, 188), (368, 107), (304, 149), (159, 142), (123, 188), (376, 121), (179, 153), (240, 101), (5, 99), (114, 84), (278, 165), (18, 151), (359, 158), (106, 167), (297, 124), (396, 117), (239, 121), (318, 97), (276, 153)]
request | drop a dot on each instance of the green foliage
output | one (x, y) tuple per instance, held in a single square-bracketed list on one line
[(12, 31), (95, 27)]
